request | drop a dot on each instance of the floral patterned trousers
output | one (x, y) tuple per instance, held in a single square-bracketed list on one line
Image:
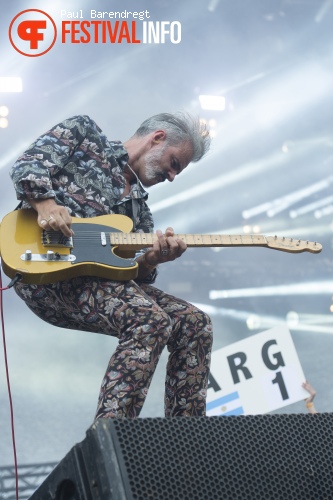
[(145, 320)]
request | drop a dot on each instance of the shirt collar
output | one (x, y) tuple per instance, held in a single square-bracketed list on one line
[(120, 153)]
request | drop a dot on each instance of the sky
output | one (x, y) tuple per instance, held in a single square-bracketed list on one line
[(269, 171)]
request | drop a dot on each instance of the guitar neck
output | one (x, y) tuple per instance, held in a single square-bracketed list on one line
[(137, 241)]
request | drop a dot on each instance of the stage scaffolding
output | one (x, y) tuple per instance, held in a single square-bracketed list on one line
[(29, 478)]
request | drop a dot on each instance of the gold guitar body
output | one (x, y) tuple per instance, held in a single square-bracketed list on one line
[(21, 236)]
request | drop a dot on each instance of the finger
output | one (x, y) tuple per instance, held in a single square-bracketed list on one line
[(56, 223), (47, 223), (169, 232), (44, 221), (65, 227), (173, 248), (182, 246), (178, 246), (64, 222), (163, 244)]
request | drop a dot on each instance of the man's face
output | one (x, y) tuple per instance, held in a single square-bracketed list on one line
[(164, 162)]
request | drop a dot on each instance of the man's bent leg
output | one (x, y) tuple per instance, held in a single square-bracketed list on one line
[(190, 345)]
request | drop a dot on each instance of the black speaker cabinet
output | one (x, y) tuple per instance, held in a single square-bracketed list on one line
[(197, 458)]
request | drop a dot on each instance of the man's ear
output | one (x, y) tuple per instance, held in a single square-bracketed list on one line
[(159, 136)]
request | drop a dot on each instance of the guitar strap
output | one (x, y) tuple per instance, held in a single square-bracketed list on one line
[(135, 211)]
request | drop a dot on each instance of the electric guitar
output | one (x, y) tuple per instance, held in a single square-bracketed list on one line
[(101, 246)]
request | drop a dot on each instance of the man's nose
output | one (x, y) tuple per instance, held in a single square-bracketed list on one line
[(171, 176)]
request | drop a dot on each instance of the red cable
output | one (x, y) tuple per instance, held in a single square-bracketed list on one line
[(8, 385)]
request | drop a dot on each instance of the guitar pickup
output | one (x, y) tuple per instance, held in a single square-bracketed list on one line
[(56, 239), (103, 239)]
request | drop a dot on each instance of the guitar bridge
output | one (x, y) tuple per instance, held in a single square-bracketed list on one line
[(56, 239)]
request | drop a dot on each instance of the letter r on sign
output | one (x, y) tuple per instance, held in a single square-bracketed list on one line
[(237, 363), (29, 31)]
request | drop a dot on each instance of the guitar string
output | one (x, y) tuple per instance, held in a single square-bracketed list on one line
[(143, 235), (138, 238), (120, 234)]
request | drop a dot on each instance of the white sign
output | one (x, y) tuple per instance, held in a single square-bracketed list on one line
[(256, 375)]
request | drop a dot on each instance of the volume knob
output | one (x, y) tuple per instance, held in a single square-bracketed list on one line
[(28, 255), (50, 255)]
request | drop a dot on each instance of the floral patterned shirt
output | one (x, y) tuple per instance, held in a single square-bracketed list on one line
[(77, 165)]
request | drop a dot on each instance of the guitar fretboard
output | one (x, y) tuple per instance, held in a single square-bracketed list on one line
[(136, 241)]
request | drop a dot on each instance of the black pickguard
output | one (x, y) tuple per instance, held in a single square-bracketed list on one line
[(88, 247)]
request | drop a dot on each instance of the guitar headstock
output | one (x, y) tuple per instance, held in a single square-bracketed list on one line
[(293, 245)]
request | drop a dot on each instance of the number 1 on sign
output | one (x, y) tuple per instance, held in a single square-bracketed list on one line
[(279, 380)]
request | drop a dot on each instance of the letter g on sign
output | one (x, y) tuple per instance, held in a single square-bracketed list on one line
[(277, 356)]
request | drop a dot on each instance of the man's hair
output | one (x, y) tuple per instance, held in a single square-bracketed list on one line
[(179, 127)]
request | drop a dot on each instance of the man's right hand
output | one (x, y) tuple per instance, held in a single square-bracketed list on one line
[(52, 216)]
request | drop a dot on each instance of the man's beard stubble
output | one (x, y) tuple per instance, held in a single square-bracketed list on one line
[(152, 171)]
